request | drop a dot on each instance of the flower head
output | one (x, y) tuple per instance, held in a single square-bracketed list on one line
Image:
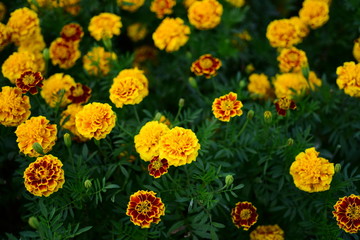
[(137, 31), (310, 172), (158, 167), (259, 86), (356, 49), (5, 35), (244, 215), (179, 146), (64, 53), (267, 232), (171, 34), (292, 60), (349, 78), (347, 213), (72, 32), (206, 65), (205, 14), (314, 13), (145, 208), (97, 61), (18, 63), (29, 81), (95, 120), (226, 107), (68, 120), (14, 107), (301, 26), (34, 44), (130, 5), (105, 25), (290, 85), (144, 53), (44, 176), (162, 7), (283, 33), (36, 130), (283, 104), (22, 23), (79, 93)]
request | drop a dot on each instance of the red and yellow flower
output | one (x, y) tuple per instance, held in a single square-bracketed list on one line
[(283, 104), (226, 107), (72, 32), (64, 53), (79, 93), (347, 213), (162, 7), (29, 81), (244, 215), (206, 65), (158, 167)]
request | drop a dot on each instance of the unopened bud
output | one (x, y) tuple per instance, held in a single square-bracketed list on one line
[(67, 139), (46, 54), (192, 82), (290, 142), (249, 68), (267, 116), (107, 43), (250, 114), (38, 148), (87, 183), (229, 179), (181, 102), (242, 84), (33, 222), (157, 116), (337, 167)]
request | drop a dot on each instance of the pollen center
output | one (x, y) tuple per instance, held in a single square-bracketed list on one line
[(353, 212), (245, 214), (227, 105), (28, 79), (157, 164), (143, 207), (206, 63)]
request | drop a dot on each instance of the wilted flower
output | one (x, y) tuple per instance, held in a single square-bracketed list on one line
[(44, 176), (68, 120), (283, 104), (18, 63), (349, 78), (130, 5), (22, 23), (64, 53), (158, 167), (105, 25), (79, 93), (98, 61), (72, 32), (314, 13), (292, 60), (283, 33), (206, 65), (29, 81), (136, 31), (310, 172), (290, 85), (145, 208), (267, 232), (162, 7), (244, 215), (205, 14), (36, 130), (259, 86), (226, 107), (14, 107), (347, 213)]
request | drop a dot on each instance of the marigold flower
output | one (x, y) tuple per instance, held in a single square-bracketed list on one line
[(188, 3), (314, 13), (310, 172), (347, 213), (5, 35), (130, 5), (44, 176), (79, 93), (226, 107), (158, 167), (136, 31), (2, 11), (292, 60), (70, 6), (34, 44), (22, 23), (283, 33), (205, 14), (259, 86), (72, 32), (147, 141), (144, 53), (64, 53), (14, 107), (244, 215), (29, 81), (267, 232), (69, 115), (179, 146), (145, 208), (314, 81), (105, 25), (290, 84), (95, 120), (36, 129), (164, 120), (56, 89), (236, 3), (130, 86), (97, 61), (162, 7), (283, 104), (206, 65), (356, 49), (18, 63), (301, 26), (349, 78)]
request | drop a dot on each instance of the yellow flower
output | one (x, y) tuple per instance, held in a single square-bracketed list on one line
[(33, 44), (70, 6), (147, 141), (70, 114), (136, 31), (205, 14), (301, 26), (56, 89), (267, 232), (5, 35), (64, 53), (349, 78), (356, 49), (292, 60), (226, 107), (97, 62), (130, 5), (36, 129), (22, 23), (14, 107), (314, 81), (314, 13), (72, 32), (283, 33), (188, 3), (179, 146), (95, 120), (162, 7), (310, 172), (290, 84), (105, 25), (171, 34), (2, 11), (18, 63), (259, 86), (236, 3), (130, 86), (44, 176)]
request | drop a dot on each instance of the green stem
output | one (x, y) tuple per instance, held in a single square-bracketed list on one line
[(123, 129), (241, 131), (136, 114)]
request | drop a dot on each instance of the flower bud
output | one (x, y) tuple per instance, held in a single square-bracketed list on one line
[(157, 116), (229, 179), (107, 43), (250, 114), (249, 68), (267, 116), (290, 142), (46, 54), (67, 139), (38, 148), (242, 84), (87, 183), (337, 167), (33, 222), (181, 102), (305, 71), (192, 82)]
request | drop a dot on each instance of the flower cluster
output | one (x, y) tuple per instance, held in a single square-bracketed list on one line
[(349, 78), (347, 213), (162, 7), (97, 61), (104, 26), (259, 86), (226, 107), (267, 232), (244, 215), (206, 65), (158, 167), (292, 60), (205, 14)]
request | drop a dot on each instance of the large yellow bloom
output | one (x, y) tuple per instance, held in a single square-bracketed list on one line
[(292, 60), (22, 23), (44, 176), (130, 5), (290, 84), (18, 63), (36, 129), (98, 61), (349, 78), (205, 14), (70, 114), (283, 33), (314, 13), (33, 44), (14, 107), (179, 146), (95, 120), (171, 34), (64, 53), (310, 172), (259, 86), (147, 141), (105, 25)]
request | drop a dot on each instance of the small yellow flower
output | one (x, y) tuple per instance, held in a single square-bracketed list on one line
[(301, 26), (283, 33), (64, 53), (259, 86), (314, 13), (105, 25), (292, 60), (22, 23), (97, 61), (136, 31), (33, 44), (226, 107), (18, 63), (70, 6), (349, 78), (290, 84), (356, 49), (130, 5), (267, 232), (162, 7), (205, 14)]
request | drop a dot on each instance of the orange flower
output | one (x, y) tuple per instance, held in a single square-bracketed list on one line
[(206, 65), (79, 93), (162, 7), (105, 25), (347, 213), (244, 215), (205, 14), (72, 32), (283, 33), (18, 63), (44, 176), (292, 60), (283, 104), (158, 167), (64, 53), (267, 232), (28, 82), (22, 23), (145, 208), (69, 115), (226, 107)]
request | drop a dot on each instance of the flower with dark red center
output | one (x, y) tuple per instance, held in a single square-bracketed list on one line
[(145, 208), (226, 107), (28, 82), (244, 215), (158, 167), (347, 213), (79, 93), (206, 65), (72, 32), (283, 104)]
